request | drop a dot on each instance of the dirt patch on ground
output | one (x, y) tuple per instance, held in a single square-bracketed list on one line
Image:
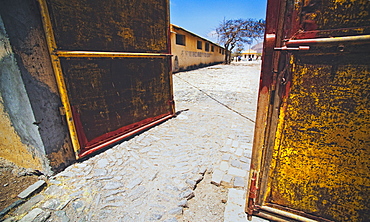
[(208, 204), (13, 180)]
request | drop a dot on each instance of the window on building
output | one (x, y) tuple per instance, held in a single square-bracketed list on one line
[(199, 44), (207, 47), (219, 50), (212, 48), (180, 39)]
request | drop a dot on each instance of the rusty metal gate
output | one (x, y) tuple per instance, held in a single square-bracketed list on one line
[(112, 64), (311, 152)]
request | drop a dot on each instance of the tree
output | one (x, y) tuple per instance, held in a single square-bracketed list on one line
[(238, 31)]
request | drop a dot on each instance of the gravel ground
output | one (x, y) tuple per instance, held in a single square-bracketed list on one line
[(222, 87), (233, 86)]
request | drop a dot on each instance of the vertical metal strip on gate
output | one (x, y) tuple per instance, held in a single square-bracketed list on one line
[(66, 109), (112, 68)]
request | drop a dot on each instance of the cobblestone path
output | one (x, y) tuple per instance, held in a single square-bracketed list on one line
[(151, 176)]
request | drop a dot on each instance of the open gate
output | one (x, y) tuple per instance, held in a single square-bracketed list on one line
[(311, 152), (112, 64)]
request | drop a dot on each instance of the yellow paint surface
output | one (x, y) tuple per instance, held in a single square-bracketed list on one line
[(189, 55), (322, 155), (11, 147)]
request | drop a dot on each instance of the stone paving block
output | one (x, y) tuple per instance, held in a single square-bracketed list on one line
[(176, 211), (153, 176), (9, 219), (136, 193), (234, 213), (235, 144), (113, 192), (245, 166), (113, 185), (66, 173), (171, 187), (29, 204), (239, 152), (78, 205), (134, 183), (53, 181), (187, 194), (156, 217), (100, 172), (245, 145), (115, 204), (183, 203), (224, 166), (239, 182), (248, 153), (227, 181), (236, 196), (225, 149), (226, 156), (229, 141), (102, 163), (217, 177), (114, 198), (62, 215), (245, 159), (197, 178), (51, 204), (31, 189), (35, 215), (235, 163), (234, 210), (237, 172)]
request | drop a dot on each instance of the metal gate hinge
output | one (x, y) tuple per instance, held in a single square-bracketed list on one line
[(285, 48), (253, 192)]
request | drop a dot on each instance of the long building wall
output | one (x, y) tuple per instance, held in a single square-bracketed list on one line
[(191, 51)]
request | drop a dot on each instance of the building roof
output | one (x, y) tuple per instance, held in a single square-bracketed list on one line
[(249, 52), (207, 40)]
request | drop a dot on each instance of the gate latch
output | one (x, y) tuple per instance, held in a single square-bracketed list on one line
[(286, 48)]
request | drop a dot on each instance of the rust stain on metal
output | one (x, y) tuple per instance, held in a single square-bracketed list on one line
[(312, 146), (115, 62), (103, 90), (123, 26), (323, 158)]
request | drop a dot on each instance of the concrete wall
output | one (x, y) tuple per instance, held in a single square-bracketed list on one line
[(188, 56), (29, 94)]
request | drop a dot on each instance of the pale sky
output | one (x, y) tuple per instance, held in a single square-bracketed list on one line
[(203, 16)]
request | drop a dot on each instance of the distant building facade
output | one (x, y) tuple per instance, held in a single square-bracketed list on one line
[(191, 51)]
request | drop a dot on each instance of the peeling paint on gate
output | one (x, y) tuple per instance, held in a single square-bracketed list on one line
[(327, 118), (311, 149), (112, 63)]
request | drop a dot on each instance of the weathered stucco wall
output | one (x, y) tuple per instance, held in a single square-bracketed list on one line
[(188, 56), (22, 22), (20, 140)]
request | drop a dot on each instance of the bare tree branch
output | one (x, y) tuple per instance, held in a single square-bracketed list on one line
[(236, 31)]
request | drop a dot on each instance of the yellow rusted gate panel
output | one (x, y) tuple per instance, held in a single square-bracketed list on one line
[(311, 153), (112, 64)]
